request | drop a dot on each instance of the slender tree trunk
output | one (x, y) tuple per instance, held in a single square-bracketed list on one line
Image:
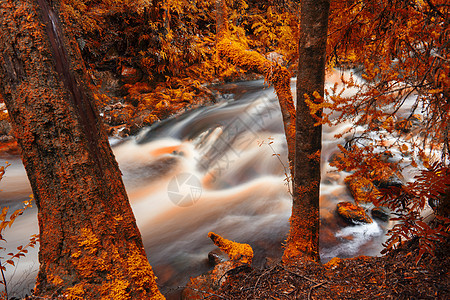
[(303, 239), (90, 246), (221, 19)]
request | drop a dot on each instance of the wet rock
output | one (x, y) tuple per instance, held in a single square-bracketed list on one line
[(362, 189), (387, 178), (8, 146), (352, 213), (130, 75), (216, 257), (117, 114), (380, 213), (336, 157), (5, 127), (140, 119), (123, 132), (331, 178)]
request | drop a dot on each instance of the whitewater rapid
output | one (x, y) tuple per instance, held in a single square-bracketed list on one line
[(220, 168)]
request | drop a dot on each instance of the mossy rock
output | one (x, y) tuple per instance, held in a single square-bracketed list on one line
[(353, 213)]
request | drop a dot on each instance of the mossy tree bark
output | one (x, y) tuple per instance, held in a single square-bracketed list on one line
[(303, 238), (90, 246)]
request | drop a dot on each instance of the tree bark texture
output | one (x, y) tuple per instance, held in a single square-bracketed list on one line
[(90, 246), (221, 19), (303, 238)]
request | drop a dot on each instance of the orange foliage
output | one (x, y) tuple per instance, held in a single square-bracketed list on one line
[(173, 43), (6, 222), (431, 187), (400, 50)]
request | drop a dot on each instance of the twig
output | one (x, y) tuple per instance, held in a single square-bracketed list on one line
[(443, 58), (4, 280), (264, 273), (302, 276), (205, 292), (316, 284), (313, 287), (284, 167)]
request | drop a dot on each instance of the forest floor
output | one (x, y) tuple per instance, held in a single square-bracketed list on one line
[(394, 276)]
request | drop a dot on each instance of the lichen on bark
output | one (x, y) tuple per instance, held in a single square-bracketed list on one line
[(90, 246)]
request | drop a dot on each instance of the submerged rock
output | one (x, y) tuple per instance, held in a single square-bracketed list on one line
[(216, 257), (352, 213), (380, 213)]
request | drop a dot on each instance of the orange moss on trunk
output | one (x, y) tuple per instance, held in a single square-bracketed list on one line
[(303, 238), (90, 246)]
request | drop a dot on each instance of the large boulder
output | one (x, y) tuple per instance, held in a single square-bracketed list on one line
[(368, 189), (352, 213)]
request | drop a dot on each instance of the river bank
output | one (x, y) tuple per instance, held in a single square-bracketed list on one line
[(393, 276)]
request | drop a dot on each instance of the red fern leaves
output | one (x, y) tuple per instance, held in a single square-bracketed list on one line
[(430, 189)]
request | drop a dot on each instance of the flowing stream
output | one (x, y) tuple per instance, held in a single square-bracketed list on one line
[(220, 168)]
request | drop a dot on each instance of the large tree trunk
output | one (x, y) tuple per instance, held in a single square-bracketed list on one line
[(90, 246), (303, 239)]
